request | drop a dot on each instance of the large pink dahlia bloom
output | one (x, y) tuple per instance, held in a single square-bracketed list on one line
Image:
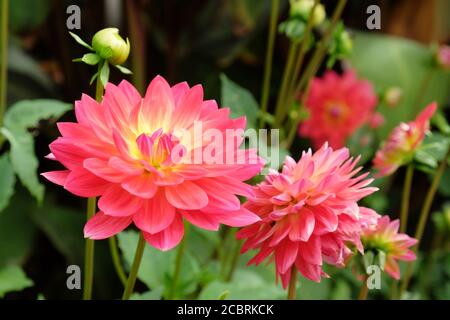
[(338, 106), (402, 143), (153, 161), (384, 236), (309, 213)]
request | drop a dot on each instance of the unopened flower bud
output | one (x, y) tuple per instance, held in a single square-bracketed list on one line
[(393, 96), (302, 8), (110, 46)]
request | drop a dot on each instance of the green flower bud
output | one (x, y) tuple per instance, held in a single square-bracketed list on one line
[(393, 96), (110, 46), (302, 9)]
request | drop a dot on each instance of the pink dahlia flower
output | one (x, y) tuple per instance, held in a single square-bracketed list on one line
[(309, 213), (384, 236), (338, 106), (401, 144), (154, 162)]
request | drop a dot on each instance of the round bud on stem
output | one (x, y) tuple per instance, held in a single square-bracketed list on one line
[(302, 8), (110, 46)]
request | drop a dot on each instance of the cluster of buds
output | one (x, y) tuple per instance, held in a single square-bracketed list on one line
[(300, 12), (341, 45), (107, 47)]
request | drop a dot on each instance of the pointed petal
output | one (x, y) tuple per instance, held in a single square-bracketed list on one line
[(118, 202), (186, 195), (101, 226), (155, 215), (169, 237)]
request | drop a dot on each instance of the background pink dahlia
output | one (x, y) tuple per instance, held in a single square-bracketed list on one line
[(123, 149), (338, 106), (309, 212), (384, 236)]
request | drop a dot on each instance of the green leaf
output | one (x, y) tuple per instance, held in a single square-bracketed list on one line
[(123, 69), (81, 41), (441, 122), (432, 150), (104, 73), (63, 227), (239, 100), (90, 59), (246, 284), (398, 62), (26, 15), (342, 291), (12, 278), (16, 230), (224, 295), (24, 161), (154, 294), (27, 113), (7, 181)]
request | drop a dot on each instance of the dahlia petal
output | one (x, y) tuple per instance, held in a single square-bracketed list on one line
[(326, 220), (201, 219), (101, 169), (285, 255), (168, 238), (188, 108), (85, 184), (102, 226), (311, 250), (310, 271), (392, 268), (158, 105), (306, 224), (409, 255), (127, 168), (68, 154), (155, 215), (118, 202), (142, 186), (187, 195), (238, 218), (131, 93), (57, 177), (179, 90)]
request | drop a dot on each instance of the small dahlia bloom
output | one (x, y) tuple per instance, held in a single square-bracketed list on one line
[(401, 144), (309, 213), (383, 236), (141, 157), (338, 106)]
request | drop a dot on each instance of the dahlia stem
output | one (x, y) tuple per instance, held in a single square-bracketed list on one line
[(292, 289), (178, 261), (314, 64), (364, 291), (134, 268), (269, 58), (423, 218), (3, 59), (404, 210), (91, 208), (284, 83), (234, 260), (116, 260), (89, 254), (291, 93)]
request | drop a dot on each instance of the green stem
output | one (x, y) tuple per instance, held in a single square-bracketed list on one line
[(423, 218), (284, 83), (405, 197), (89, 254), (134, 268), (236, 252), (178, 261), (116, 260), (291, 93), (91, 209), (292, 289), (364, 291), (269, 58), (3, 58), (314, 64)]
